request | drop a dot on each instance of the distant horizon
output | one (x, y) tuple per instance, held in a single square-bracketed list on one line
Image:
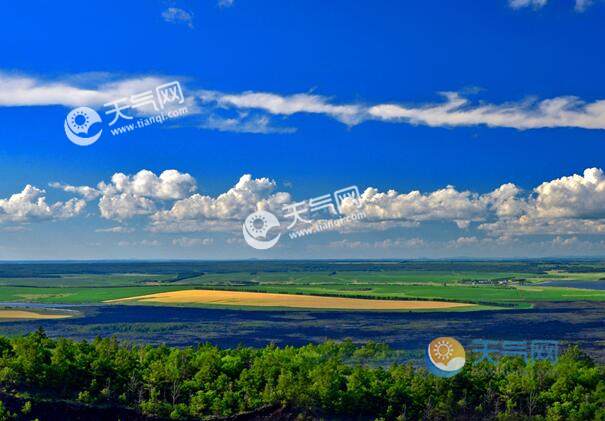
[(444, 259)]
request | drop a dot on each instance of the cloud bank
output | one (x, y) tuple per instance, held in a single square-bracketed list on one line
[(30, 205), (568, 205), (580, 5), (251, 111), (558, 214)]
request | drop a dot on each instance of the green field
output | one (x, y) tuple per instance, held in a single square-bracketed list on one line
[(336, 277), (488, 283), (75, 295), (85, 280), (479, 294)]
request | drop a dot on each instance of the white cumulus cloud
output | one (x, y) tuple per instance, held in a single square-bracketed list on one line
[(127, 196), (569, 205), (247, 196), (31, 205), (178, 16)]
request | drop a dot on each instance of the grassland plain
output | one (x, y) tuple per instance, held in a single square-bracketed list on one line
[(505, 283), (462, 293), (86, 280), (76, 295), (335, 277)]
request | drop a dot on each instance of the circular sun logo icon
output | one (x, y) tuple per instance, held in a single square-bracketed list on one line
[(258, 225), (443, 350), (445, 356)]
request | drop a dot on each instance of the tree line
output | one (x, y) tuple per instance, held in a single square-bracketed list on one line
[(324, 380)]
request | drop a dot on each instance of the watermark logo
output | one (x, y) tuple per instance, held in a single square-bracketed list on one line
[(535, 349), (151, 107), (78, 122), (445, 357), (256, 227), (330, 204)]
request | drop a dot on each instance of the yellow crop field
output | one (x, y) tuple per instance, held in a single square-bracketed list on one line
[(24, 314), (260, 299)]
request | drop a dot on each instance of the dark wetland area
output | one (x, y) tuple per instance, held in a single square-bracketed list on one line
[(580, 323)]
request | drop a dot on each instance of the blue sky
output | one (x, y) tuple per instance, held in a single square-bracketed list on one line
[(307, 97)]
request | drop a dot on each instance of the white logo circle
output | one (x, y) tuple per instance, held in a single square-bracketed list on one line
[(257, 225), (78, 121)]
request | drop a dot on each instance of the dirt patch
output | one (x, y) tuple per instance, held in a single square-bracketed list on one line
[(25, 314)]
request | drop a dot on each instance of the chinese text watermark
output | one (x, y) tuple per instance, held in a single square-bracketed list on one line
[(157, 106), (257, 225)]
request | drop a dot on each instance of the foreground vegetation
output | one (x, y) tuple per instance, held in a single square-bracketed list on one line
[(330, 379)]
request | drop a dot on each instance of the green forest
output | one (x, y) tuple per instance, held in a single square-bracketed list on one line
[(327, 380)]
